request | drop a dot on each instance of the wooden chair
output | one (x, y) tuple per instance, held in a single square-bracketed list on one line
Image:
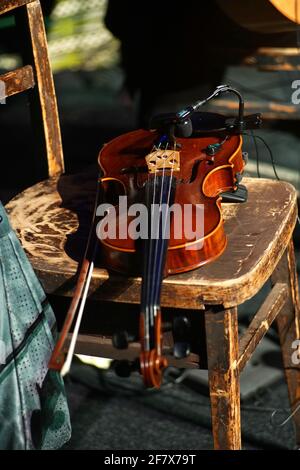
[(36, 78), (50, 219)]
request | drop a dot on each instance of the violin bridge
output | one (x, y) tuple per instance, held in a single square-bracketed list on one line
[(163, 159)]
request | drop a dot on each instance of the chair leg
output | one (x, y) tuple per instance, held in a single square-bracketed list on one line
[(222, 355), (288, 323)]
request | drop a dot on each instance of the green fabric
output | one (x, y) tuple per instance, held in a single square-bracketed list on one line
[(33, 408)]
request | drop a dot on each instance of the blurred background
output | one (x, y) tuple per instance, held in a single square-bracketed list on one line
[(115, 65)]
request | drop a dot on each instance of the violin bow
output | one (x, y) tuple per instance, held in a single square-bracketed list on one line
[(57, 361)]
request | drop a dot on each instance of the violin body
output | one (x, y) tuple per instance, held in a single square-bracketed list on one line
[(200, 181)]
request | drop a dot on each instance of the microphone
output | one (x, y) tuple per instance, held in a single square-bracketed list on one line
[(187, 112), (180, 123), (169, 121), (184, 128)]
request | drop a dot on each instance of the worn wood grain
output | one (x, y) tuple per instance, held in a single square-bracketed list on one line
[(222, 357), (288, 322), (46, 91), (17, 81), (261, 322), (7, 5), (46, 218)]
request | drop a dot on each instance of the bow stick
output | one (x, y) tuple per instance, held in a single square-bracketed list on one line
[(57, 360)]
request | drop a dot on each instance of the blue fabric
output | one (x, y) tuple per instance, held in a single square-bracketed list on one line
[(33, 408)]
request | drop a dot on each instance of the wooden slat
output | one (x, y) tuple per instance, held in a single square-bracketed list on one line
[(288, 323), (278, 51), (224, 387), (294, 286), (269, 110), (7, 5), (263, 58), (93, 345), (17, 81), (286, 66), (261, 323), (46, 89), (274, 59)]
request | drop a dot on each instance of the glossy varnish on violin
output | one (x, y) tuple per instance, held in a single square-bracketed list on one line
[(200, 180)]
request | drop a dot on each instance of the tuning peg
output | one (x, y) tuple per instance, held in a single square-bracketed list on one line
[(181, 335), (121, 339), (181, 327), (181, 349)]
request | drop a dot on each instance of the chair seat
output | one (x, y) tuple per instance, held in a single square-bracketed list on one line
[(51, 221)]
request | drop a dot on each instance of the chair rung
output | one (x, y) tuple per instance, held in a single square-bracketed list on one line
[(92, 345), (262, 322), (18, 80), (7, 5)]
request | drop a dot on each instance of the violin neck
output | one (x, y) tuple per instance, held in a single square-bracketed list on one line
[(160, 195)]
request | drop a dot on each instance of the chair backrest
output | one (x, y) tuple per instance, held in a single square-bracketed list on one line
[(36, 76)]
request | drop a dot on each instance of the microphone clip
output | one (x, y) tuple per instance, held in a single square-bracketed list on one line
[(252, 121)]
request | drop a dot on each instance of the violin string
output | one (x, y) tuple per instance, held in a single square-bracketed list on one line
[(150, 276), (157, 262), (166, 220), (157, 231), (150, 247), (169, 193)]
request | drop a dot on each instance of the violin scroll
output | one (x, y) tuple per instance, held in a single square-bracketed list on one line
[(152, 362)]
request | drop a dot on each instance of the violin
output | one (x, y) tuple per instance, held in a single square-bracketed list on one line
[(192, 171), (162, 170), (185, 160)]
